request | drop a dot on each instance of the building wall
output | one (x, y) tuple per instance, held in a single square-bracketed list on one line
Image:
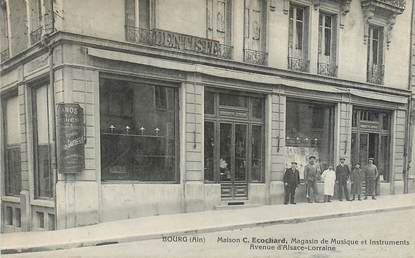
[(189, 17)]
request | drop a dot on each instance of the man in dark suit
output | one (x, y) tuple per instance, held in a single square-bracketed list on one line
[(291, 180), (342, 175)]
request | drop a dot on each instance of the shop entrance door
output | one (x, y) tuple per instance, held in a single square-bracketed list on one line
[(368, 148), (233, 160)]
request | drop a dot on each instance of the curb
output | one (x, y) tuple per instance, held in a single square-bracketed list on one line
[(134, 238)]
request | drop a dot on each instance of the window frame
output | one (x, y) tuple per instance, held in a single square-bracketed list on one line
[(211, 21), (140, 83), (293, 41), (4, 146), (34, 142)]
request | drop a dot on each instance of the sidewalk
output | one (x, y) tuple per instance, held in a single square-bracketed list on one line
[(193, 223)]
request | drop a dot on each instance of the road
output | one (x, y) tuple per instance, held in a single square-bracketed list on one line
[(347, 237)]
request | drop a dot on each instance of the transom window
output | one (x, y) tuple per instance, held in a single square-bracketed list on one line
[(234, 137), (139, 137)]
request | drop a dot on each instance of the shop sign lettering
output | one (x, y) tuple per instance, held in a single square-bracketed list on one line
[(70, 138)]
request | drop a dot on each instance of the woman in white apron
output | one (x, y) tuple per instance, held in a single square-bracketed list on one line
[(329, 178)]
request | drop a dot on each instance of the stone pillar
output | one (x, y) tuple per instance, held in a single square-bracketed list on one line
[(277, 147), (397, 151), (194, 173), (77, 195)]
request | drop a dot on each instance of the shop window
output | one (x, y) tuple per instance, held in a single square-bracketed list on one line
[(139, 140), (309, 131), (219, 20), (51, 221), (234, 138), (11, 127), (40, 217), (298, 38), (18, 217), (41, 141), (327, 45)]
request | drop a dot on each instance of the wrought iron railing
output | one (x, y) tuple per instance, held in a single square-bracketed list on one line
[(298, 64), (35, 35), (375, 73), (178, 41), (327, 69), (255, 57), (395, 3), (4, 55)]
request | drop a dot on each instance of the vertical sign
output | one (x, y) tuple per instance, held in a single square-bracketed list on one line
[(71, 140)]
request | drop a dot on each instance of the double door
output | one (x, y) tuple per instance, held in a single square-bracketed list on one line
[(233, 160)]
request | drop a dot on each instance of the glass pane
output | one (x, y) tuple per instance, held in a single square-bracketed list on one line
[(139, 143), (225, 152), (327, 42), (375, 51), (44, 178), (385, 122), (209, 150), (364, 149), (327, 21), (241, 133), (209, 102), (257, 108), (383, 165), (12, 130), (354, 150), (233, 100), (300, 14), (256, 162), (299, 28)]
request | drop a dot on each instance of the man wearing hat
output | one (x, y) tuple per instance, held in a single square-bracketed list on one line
[(291, 180), (371, 173), (342, 175), (311, 175)]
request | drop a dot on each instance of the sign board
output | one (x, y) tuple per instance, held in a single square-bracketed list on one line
[(70, 138)]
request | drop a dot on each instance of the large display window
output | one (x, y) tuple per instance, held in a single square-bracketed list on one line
[(139, 136), (309, 132)]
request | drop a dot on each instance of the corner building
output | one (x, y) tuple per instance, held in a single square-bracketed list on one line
[(190, 105)]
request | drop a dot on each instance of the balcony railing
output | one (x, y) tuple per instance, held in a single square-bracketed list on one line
[(375, 73), (178, 41), (35, 35), (4, 55), (298, 64), (395, 6), (255, 57), (327, 69)]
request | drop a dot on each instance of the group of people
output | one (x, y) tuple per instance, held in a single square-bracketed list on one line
[(340, 176)]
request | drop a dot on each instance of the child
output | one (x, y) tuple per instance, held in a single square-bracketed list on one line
[(357, 177), (329, 178)]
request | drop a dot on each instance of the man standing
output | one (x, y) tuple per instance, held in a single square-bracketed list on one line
[(311, 175), (342, 175), (291, 181), (371, 173)]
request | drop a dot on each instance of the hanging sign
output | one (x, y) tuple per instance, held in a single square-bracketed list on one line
[(70, 138)]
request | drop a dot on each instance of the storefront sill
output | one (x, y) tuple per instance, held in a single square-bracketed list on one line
[(131, 182)]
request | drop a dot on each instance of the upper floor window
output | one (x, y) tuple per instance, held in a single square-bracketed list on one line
[(11, 140), (219, 20), (4, 30), (327, 45), (139, 131), (254, 32), (298, 38), (375, 64), (35, 7), (139, 19)]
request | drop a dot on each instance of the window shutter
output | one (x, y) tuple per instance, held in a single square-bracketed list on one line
[(130, 13)]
